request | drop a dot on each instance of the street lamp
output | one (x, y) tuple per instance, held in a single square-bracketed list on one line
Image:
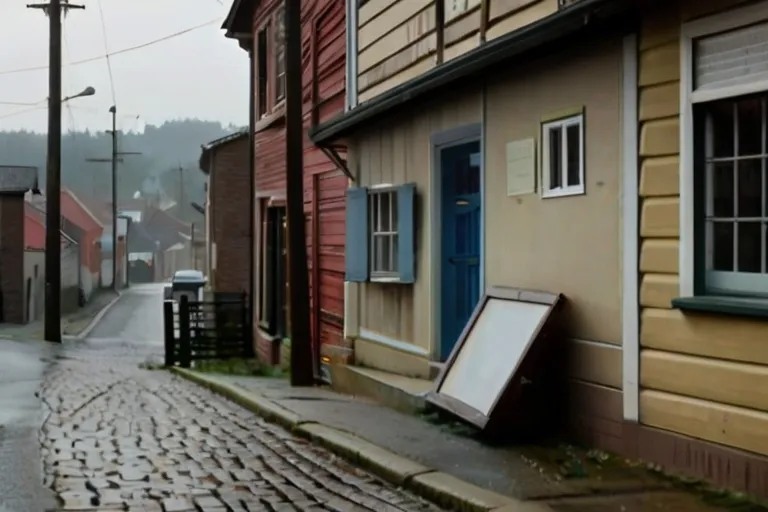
[(88, 91)]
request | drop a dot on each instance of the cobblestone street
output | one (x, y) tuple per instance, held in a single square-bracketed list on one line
[(119, 437)]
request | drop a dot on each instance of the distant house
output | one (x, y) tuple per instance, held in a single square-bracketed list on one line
[(174, 237), (228, 210), (15, 182), (84, 226)]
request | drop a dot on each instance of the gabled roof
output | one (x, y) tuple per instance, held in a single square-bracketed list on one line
[(160, 218), (36, 239), (238, 18), (18, 179), (215, 144), (139, 240), (76, 212)]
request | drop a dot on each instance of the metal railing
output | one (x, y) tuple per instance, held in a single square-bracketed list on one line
[(207, 330)]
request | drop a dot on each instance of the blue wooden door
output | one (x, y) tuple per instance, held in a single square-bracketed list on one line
[(461, 248)]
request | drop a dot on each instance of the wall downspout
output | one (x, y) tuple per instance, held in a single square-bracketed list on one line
[(252, 180)]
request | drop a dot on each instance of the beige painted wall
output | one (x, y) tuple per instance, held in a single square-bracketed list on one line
[(396, 153), (568, 244), (546, 244)]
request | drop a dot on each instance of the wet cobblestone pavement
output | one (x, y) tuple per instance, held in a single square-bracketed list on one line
[(118, 437)]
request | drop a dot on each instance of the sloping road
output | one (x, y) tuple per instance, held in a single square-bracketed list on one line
[(119, 436)]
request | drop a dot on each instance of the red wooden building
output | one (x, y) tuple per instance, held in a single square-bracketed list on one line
[(259, 27)]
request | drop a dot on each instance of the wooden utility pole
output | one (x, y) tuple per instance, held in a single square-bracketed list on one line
[(302, 367), (54, 10), (114, 160)]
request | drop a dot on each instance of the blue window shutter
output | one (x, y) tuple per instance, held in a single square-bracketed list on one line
[(356, 242), (406, 243)]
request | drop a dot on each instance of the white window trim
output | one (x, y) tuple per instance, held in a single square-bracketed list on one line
[(382, 276), (565, 191), (711, 25)]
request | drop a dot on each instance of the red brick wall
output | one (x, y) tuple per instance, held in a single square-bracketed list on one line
[(230, 200), (12, 257)]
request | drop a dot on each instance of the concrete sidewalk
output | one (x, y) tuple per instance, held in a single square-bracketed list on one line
[(442, 465), (75, 324)]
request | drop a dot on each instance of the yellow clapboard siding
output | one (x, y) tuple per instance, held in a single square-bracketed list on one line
[(501, 8), (533, 12), (462, 27), (660, 26), (404, 35), (660, 65), (398, 62), (660, 217), (738, 384), (460, 48), (715, 336), (658, 290), (660, 176), (724, 424), (461, 10), (410, 73), (659, 101), (390, 19), (595, 363), (371, 9), (660, 137), (660, 255)]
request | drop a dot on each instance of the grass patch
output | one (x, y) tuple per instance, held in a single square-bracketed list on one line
[(243, 367), (715, 496)]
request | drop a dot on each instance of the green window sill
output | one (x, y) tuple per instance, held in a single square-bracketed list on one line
[(731, 306)]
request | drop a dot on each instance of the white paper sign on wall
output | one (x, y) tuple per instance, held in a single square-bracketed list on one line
[(521, 167)]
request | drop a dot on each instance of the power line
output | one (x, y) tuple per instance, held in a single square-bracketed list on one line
[(118, 52), (11, 114), (106, 51)]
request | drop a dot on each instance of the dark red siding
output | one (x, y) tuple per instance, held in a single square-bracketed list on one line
[(324, 65), (323, 77)]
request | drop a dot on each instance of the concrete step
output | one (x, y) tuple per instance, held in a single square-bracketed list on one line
[(405, 394)]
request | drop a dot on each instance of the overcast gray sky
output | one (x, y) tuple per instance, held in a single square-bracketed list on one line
[(198, 74)]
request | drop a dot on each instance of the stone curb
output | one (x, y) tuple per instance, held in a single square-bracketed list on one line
[(438, 487), (99, 316)]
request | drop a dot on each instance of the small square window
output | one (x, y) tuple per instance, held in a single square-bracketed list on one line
[(563, 157), (382, 207)]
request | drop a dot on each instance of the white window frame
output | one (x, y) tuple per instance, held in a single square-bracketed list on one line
[(386, 275), (565, 190), (709, 26)]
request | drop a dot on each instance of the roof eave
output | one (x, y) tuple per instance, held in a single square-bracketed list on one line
[(235, 22), (565, 22)]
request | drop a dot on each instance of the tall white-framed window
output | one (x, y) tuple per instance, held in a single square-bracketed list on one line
[(382, 214), (562, 157), (724, 155)]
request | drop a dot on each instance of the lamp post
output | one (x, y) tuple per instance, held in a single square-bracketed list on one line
[(54, 9)]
